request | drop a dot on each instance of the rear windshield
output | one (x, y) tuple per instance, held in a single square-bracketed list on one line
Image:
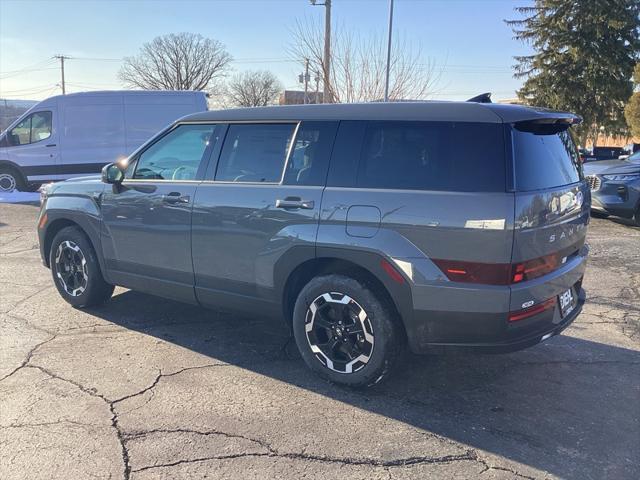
[(544, 158)]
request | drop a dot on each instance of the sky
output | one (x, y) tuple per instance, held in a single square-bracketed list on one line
[(467, 42)]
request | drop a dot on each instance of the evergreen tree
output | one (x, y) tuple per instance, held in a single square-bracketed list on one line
[(584, 55)]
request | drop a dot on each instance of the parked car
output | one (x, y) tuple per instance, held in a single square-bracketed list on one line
[(615, 187), (366, 227), (604, 153), (79, 133)]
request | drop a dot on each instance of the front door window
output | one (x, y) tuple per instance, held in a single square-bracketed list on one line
[(177, 155), (35, 128)]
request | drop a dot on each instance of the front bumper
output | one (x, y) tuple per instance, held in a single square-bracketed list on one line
[(617, 198)]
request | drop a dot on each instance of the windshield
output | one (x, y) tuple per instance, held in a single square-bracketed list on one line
[(545, 157), (635, 158)]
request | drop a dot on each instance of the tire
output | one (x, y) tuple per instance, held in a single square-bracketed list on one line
[(636, 217), (11, 179), (82, 284), (599, 214), (373, 351)]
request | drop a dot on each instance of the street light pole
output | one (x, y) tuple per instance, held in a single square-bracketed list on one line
[(327, 52), (326, 61), (386, 83)]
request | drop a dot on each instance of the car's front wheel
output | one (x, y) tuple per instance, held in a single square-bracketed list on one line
[(76, 271), (345, 331)]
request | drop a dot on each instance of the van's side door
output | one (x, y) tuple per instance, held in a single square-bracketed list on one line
[(258, 210), (33, 145), (146, 232)]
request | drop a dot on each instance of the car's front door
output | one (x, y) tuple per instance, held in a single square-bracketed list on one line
[(258, 210), (146, 232), (33, 146)]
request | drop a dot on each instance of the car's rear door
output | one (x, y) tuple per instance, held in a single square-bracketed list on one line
[(147, 220), (258, 210), (552, 203)]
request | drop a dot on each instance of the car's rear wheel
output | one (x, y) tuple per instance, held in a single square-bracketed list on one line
[(599, 214), (636, 217), (10, 180), (76, 271), (345, 331)]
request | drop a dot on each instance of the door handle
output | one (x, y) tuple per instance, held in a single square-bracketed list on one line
[(294, 202), (51, 145), (175, 197)]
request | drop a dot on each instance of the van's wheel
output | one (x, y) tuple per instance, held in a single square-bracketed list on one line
[(76, 271), (10, 180), (345, 332)]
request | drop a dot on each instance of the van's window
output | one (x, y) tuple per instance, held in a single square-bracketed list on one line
[(177, 155), (544, 158), (254, 152), (450, 156), (34, 128), (310, 154)]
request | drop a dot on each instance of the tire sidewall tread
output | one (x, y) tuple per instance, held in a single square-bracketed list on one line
[(385, 328), (98, 291)]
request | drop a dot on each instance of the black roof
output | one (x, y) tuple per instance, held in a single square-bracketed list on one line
[(416, 111)]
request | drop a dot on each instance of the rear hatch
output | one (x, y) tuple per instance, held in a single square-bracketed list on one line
[(552, 203)]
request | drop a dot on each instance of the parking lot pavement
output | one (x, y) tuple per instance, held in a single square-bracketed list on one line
[(145, 388)]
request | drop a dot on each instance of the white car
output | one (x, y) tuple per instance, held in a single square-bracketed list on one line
[(77, 134)]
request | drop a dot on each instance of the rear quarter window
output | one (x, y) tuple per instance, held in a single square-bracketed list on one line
[(441, 156), (544, 158)]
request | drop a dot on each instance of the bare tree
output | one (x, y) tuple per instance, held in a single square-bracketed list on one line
[(358, 64), (253, 89), (182, 61)]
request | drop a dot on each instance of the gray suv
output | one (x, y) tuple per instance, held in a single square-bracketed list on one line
[(368, 228)]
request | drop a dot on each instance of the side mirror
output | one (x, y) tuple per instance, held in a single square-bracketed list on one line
[(112, 173)]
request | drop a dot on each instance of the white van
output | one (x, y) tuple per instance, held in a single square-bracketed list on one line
[(77, 134)]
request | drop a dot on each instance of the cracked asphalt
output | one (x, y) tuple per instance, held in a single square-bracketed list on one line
[(146, 388)]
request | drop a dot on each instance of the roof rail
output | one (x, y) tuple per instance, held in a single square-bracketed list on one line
[(482, 98)]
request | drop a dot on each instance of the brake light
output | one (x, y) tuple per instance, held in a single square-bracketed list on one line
[(535, 268), (531, 311), (475, 272), (499, 273)]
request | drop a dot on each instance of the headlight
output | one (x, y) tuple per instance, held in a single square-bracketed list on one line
[(622, 178), (44, 191)]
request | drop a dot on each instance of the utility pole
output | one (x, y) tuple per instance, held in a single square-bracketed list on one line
[(304, 78), (327, 98), (386, 82), (62, 58)]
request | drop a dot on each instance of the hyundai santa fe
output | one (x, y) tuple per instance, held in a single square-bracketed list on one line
[(369, 229)]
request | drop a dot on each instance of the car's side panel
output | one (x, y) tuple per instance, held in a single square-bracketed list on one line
[(78, 203), (239, 235)]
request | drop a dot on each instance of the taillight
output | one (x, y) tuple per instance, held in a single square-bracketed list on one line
[(475, 272), (499, 273), (531, 311), (535, 268)]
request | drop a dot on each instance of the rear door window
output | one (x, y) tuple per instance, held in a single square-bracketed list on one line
[(445, 156), (254, 152), (544, 157), (310, 154)]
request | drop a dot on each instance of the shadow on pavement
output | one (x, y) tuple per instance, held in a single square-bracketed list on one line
[(569, 407)]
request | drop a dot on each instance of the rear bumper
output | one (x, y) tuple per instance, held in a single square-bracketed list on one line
[(486, 327)]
